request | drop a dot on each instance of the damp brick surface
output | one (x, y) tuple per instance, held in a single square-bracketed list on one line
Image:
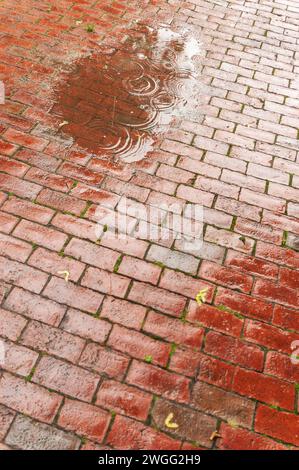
[(101, 338)]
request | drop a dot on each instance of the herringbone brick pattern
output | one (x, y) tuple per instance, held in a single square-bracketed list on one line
[(101, 360)]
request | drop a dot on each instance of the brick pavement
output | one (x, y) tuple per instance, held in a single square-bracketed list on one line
[(101, 359)]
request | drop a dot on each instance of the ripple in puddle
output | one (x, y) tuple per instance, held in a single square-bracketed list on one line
[(117, 103)]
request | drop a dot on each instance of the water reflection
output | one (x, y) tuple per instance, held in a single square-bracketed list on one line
[(117, 103)]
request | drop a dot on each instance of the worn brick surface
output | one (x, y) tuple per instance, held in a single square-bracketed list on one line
[(102, 335)]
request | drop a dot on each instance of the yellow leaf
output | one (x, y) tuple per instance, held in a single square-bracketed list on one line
[(168, 422), (201, 296), (214, 435), (66, 275), (63, 123)]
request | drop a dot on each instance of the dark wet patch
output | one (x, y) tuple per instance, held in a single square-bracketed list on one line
[(117, 102)]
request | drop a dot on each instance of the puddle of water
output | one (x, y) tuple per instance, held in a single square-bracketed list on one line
[(116, 103)]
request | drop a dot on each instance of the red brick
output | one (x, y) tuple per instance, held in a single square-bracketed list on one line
[(51, 340), (217, 187), (173, 330), (78, 227), (281, 222), (214, 318), (6, 148), (39, 160), (130, 435), (225, 276), (20, 187), (159, 381), (185, 362), (140, 270), (50, 180), (127, 189), (66, 378), (251, 264), (185, 285), (285, 318), (22, 275), (28, 210), (3, 198), (159, 299), (277, 255), (123, 312), (14, 248), (276, 293), (35, 307), (289, 278), (61, 202), (246, 305), (199, 167), (211, 145), (7, 222), (31, 435), (18, 360), (228, 239), (55, 264), (173, 259), (232, 139), (104, 361), (86, 326), (281, 366), (180, 149), (154, 183), (11, 324), (196, 196), (40, 235), (202, 425), (258, 231), (139, 345), (80, 173), (92, 254), (175, 174), (223, 404), (264, 388), (6, 418), (98, 196), (26, 140), (233, 350), (237, 208), (124, 399), (12, 167), (72, 295), (84, 419), (278, 424), (103, 281), (129, 245), (216, 372), (244, 181), (262, 200), (269, 336), (234, 438), (29, 398)]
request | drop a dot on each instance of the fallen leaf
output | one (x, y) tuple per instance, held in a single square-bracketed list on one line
[(168, 422), (214, 435), (63, 123), (79, 22), (66, 275), (201, 296)]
